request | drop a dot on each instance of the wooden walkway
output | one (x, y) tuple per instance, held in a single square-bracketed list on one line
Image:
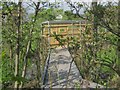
[(58, 70)]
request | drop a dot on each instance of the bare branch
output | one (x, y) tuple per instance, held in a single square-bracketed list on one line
[(107, 26), (31, 5), (77, 9)]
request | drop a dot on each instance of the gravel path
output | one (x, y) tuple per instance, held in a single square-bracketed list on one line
[(58, 71)]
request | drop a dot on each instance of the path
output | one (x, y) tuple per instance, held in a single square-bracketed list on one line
[(58, 71)]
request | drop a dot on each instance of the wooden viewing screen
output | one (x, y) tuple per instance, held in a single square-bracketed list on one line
[(64, 28)]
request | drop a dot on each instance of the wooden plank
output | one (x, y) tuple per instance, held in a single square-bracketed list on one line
[(57, 25), (69, 30)]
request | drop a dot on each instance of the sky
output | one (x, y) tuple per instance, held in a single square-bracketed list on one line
[(64, 6), (57, 0)]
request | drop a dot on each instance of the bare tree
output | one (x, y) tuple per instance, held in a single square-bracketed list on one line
[(76, 7), (18, 44)]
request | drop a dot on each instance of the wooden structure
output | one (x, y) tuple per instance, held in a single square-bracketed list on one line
[(65, 28)]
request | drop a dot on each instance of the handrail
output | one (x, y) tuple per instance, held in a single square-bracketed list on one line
[(45, 73)]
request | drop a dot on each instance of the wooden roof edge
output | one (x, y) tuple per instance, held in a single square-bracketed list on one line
[(64, 22)]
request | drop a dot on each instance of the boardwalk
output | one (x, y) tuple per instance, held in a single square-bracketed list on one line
[(58, 70)]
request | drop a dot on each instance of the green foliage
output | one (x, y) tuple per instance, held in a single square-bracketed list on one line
[(68, 15), (5, 67), (47, 14), (91, 67)]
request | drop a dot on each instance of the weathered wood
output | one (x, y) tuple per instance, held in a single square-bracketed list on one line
[(63, 28)]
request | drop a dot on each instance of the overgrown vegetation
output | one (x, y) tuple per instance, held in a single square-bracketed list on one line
[(24, 49)]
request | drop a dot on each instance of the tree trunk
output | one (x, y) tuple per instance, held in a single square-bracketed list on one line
[(95, 33), (29, 43), (118, 48), (38, 64), (11, 57), (94, 5), (17, 45), (11, 54), (25, 63)]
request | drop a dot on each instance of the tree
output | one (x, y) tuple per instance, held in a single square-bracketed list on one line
[(105, 20), (18, 45), (118, 43), (29, 41)]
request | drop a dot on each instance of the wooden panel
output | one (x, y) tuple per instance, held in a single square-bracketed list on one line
[(53, 41), (63, 25), (76, 31), (62, 30), (66, 30), (54, 30)]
